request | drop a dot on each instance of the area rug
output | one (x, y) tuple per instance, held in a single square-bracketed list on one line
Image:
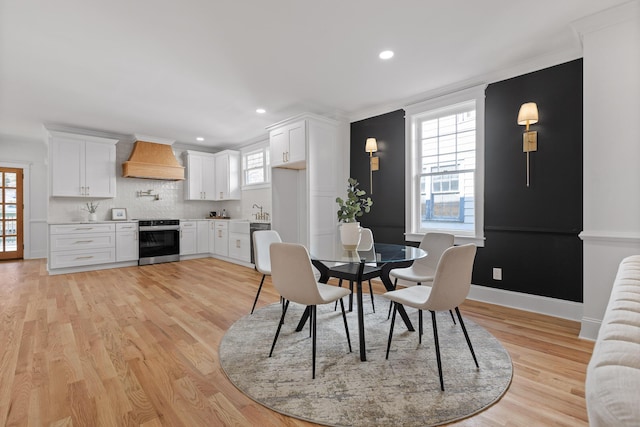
[(401, 391)]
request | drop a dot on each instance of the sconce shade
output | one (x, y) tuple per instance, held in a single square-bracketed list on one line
[(528, 114), (371, 146)]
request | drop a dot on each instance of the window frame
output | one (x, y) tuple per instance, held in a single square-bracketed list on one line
[(251, 149), (414, 114)]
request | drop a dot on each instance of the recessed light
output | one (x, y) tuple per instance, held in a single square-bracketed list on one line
[(386, 54), (261, 111), (200, 139)]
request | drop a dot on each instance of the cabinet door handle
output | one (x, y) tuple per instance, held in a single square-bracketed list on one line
[(83, 228), (221, 195), (237, 243), (181, 233), (84, 241), (220, 234), (135, 235), (84, 257), (283, 157), (87, 193)]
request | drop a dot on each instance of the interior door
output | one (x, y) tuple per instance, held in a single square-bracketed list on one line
[(11, 215)]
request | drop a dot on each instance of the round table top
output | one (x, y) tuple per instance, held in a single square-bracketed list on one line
[(380, 253)]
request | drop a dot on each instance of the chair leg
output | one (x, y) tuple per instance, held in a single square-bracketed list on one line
[(258, 294), (371, 293), (420, 326), (393, 321), (395, 285), (313, 356), (452, 318), (435, 339), (284, 311), (335, 307), (467, 337), (346, 327)]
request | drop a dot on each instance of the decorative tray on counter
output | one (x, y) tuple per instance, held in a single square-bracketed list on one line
[(217, 217)]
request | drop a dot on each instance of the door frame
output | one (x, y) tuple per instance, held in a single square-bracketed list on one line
[(26, 211)]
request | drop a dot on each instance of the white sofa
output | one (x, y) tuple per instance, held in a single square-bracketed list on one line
[(612, 387)]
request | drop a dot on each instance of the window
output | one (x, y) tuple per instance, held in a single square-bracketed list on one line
[(445, 174), (255, 165)]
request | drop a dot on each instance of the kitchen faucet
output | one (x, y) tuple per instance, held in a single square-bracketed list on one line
[(260, 216)]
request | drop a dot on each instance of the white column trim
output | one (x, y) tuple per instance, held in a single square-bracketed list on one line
[(610, 236)]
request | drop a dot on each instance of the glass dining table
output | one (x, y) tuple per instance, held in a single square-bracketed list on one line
[(382, 257)]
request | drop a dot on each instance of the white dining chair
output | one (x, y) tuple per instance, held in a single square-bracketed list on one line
[(423, 270), (262, 239), (293, 277), (451, 284)]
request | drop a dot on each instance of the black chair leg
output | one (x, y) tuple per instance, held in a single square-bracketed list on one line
[(313, 356), (284, 311), (371, 293), (393, 321), (395, 285), (335, 307), (467, 337), (420, 326), (258, 294), (435, 339), (346, 327), (452, 318)]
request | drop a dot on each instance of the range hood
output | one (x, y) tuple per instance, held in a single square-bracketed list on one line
[(152, 160)]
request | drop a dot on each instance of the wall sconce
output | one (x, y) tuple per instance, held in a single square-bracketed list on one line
[(528, 115), (374, 162)]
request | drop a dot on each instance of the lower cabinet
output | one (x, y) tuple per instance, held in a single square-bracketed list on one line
[(203, 237), (188, 237), (239, 241), (127, 244), (81, 245), (221, 238)]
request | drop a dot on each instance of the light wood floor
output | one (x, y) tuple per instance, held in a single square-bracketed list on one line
[(138, 346)]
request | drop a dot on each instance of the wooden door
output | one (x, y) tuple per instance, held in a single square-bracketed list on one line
[(11, 214)]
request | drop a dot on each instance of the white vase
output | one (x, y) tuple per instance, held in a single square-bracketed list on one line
[(93, 216), (350, 235)]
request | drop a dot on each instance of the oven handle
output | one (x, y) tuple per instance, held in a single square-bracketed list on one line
[(159, 228)]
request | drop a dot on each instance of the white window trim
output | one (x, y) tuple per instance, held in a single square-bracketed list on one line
[(264, 145), (476, 93)]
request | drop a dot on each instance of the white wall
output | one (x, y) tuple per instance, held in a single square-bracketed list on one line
[(611, 43), (32, 154)]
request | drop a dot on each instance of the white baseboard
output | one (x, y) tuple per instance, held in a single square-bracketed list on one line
[(590, 328), (534, 303)]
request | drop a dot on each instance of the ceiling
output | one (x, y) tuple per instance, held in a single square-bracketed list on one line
[(200, 68)]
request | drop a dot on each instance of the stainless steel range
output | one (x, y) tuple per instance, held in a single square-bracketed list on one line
[(159, 241)]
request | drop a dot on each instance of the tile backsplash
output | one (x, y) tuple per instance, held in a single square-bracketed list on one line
[(171, 203)]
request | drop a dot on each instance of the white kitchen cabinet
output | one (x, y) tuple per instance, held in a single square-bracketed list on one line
[(202, 236), (188, 237), (303, 197), (227, 175), (239, 241), (221, 238), (200, 182), (78, 245), (81, 165), (288, 145), (127, 244)]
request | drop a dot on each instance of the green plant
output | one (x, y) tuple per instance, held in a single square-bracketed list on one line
[(356, 203), (91, 207)]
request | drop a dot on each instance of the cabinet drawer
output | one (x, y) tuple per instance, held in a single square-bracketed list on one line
[(239, 227), (127, 226), (82, 228), (222, 224), (82, 258), (62, 242)]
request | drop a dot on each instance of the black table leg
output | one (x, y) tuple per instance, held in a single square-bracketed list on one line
[(386, 281), (363, 346)]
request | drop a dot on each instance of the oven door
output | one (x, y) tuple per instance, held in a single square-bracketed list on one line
[(159, 244)]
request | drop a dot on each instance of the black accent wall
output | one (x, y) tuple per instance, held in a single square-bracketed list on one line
[(531, 232)]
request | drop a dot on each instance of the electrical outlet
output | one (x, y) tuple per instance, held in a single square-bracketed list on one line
[(497, 273)]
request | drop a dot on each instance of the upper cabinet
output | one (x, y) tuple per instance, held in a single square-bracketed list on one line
[(81, 165), (200, 183), (228, 175), (288, 145), (212, 176)]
